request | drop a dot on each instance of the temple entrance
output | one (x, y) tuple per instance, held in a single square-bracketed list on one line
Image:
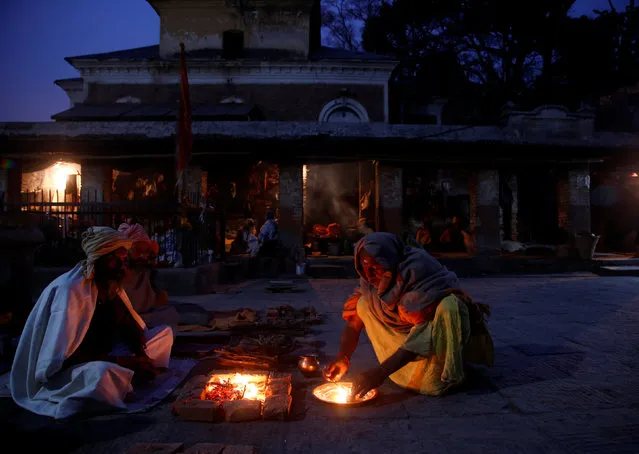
[(538, 206), (339, 203)]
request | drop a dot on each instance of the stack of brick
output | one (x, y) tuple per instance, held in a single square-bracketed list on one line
[(190, 406)]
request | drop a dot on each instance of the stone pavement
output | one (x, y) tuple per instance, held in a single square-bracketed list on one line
[(565, 381)]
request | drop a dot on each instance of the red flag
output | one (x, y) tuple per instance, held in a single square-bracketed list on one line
[(184, 130)]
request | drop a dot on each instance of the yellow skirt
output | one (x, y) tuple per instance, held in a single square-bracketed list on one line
[(440, 345)]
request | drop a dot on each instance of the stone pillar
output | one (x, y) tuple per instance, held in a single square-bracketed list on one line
[(291, 207), (4, 188), (195, 182), (14, 183), (512, 184), (93, 179), (484, 208), (515, 208), (574, 200), (391, 190)]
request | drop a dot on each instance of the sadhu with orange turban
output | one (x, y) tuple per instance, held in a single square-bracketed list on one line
[(149, 301)]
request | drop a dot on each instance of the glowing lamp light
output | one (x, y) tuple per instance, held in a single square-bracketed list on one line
[(341, 394), (634, 175), (60, 173)]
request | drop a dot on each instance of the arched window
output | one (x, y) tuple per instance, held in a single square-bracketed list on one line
[(343, 110)]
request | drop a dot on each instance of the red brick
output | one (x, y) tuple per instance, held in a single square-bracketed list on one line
[(279, 388), (242, 410), (277, 407), (198, 410)]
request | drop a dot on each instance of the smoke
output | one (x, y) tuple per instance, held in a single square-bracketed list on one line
[(331, 194)]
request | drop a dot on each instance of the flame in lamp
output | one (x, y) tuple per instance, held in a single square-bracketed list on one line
[(340, 394)]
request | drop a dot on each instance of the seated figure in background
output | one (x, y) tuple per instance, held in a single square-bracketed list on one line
[(150, 303), (83, 344), (245, 241), (269, 235)]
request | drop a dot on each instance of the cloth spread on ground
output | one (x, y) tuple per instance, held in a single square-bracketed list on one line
[(413, 286), (54, 330), (146, 396)]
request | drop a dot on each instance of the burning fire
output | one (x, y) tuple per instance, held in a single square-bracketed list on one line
[(342, 394), (235, 387)]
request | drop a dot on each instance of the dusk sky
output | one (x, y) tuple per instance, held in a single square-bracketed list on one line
[(36, 35)]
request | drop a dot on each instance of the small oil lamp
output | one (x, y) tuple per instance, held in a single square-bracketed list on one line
[(309, 365), (340, 393)]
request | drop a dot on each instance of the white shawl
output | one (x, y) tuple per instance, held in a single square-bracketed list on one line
[(53, 332)]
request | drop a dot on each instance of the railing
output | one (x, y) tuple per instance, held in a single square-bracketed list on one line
[(186, 236)]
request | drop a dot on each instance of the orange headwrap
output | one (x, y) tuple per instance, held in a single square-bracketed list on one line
[(137, 234)]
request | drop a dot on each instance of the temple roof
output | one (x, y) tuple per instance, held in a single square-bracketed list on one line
[(152, 53)]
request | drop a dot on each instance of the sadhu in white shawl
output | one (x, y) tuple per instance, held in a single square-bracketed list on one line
[(55, 329)]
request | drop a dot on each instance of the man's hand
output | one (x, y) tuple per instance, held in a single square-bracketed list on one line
[(368, 381), (141, 366), (144, 370), (335, 370)]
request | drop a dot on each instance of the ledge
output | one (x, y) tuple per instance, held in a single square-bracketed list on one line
[(292, 131)]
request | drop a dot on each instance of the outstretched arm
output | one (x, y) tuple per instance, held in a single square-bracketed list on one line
[(374, 378), (350, 337)]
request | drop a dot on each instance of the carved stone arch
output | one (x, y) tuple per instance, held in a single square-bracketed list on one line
[(343, 110)]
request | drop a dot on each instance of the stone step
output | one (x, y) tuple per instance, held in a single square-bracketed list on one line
[(632, 270), (321, 271)]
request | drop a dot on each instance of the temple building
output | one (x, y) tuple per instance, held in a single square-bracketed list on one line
[(281, 122)]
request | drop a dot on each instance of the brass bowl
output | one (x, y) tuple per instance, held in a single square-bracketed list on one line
[(337, 394)]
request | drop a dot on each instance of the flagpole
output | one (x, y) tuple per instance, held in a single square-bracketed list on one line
[(184, 127)]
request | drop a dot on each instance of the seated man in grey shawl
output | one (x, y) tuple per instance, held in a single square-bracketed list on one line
[(83, 344)]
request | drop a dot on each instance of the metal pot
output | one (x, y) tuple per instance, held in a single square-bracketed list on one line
[(309, 365)]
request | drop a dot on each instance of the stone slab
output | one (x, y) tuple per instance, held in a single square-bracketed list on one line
[(156, 448)]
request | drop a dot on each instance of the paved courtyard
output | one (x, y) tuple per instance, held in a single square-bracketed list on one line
[(565, 381)]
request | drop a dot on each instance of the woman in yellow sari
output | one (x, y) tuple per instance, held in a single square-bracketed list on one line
[(423, 327)]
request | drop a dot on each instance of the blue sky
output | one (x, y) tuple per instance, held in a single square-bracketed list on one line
[(36, 35)]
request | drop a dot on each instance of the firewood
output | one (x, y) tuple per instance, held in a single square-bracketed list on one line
[(245, 357), (243, 364)]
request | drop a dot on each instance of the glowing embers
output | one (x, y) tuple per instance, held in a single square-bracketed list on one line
[(226, 387), (235, 397), (340, 394)]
